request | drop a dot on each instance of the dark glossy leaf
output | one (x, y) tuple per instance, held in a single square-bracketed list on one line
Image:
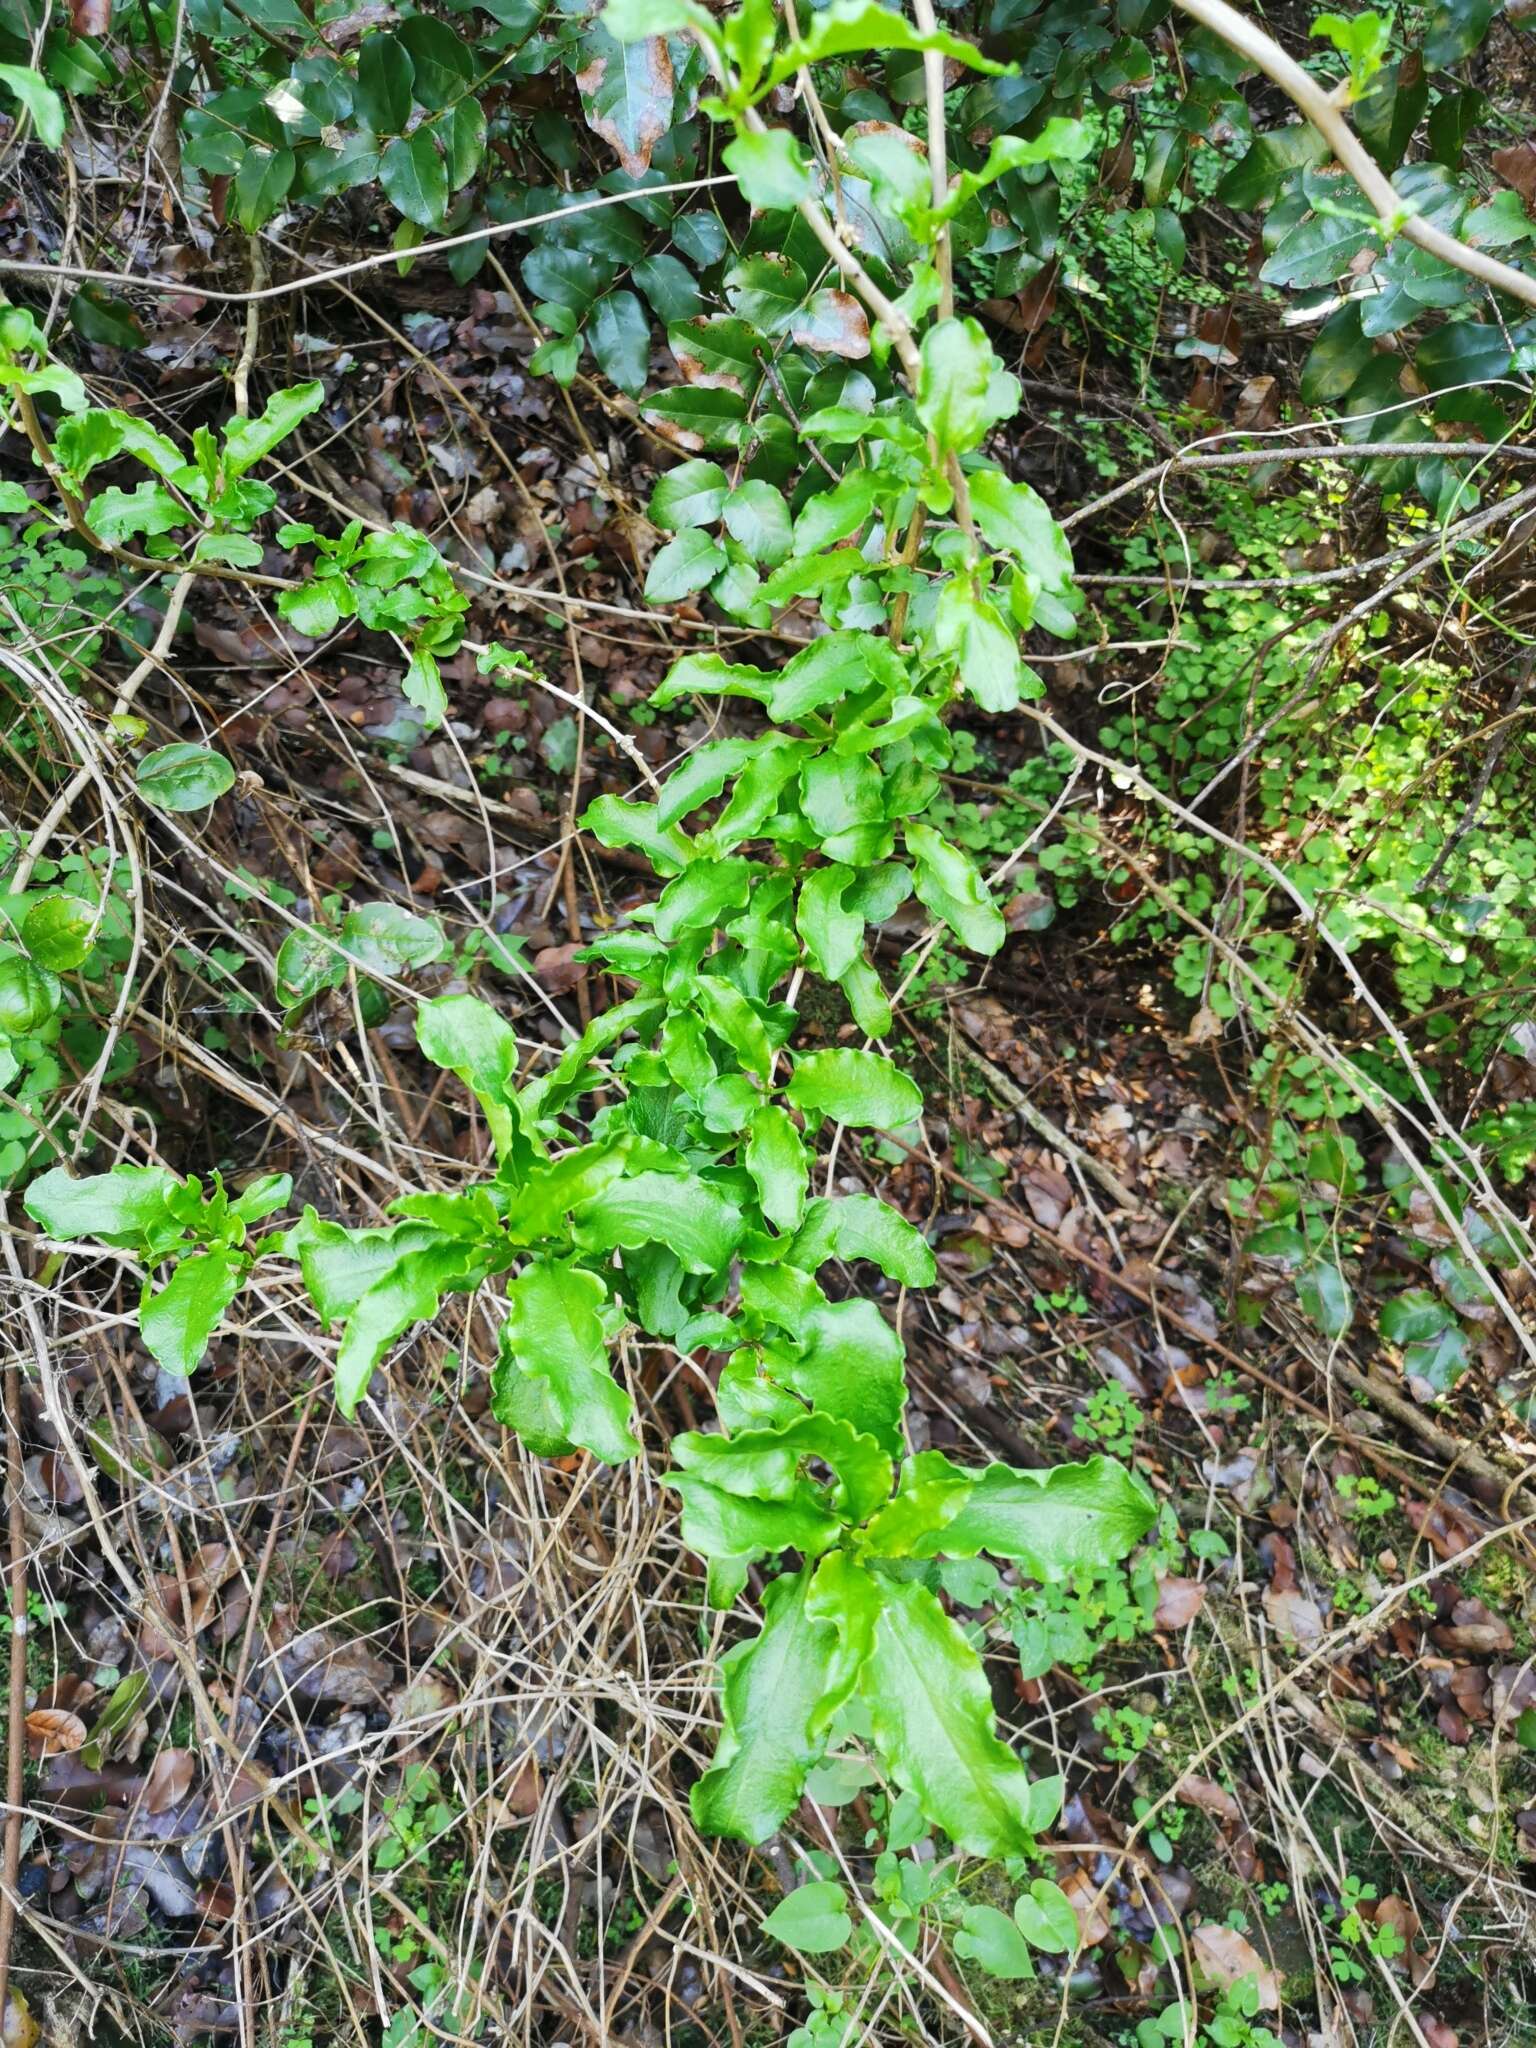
[(415, 178), (1324, 1294), (620, 338), (441, 63), (382, 96)]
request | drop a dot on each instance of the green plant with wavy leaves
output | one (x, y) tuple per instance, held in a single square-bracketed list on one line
[(683, 1207), (660, 1176)]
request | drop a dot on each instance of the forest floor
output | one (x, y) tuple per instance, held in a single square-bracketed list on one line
[(468, 1689)]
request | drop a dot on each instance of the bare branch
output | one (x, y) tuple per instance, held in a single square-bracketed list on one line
[(1327, 117)]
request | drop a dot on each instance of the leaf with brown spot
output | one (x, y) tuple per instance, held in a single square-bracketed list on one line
[(52, 1731), (832, 323), (1227, 1957), (626, 93)]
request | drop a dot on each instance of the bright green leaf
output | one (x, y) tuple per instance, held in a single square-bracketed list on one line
[(772, 1689), (38, 99), (812, 1919), (930, 1705), (949, 883), (1066, 1519), (1046, 1919), (553, 1335), (177, 1321), (863, 1089), (770, 169)]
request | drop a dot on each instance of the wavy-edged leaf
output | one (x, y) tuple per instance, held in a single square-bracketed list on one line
[(764, 1464), (779, 1164), (863, 1089), (773, 1688), (930, 1705), (247, 441), (683, 565), (472, 1040), (125, 1207), (850, 27), (949, 883), (963, 389), (734, 1530), (931, 1493), (831, 929), (863, 1227), (553, 1337), (848, 1363), (407, 1292), (184, 777), (619, 823), (1067, 1519), (1324, 1293), (698, 1223), (177, 1320)]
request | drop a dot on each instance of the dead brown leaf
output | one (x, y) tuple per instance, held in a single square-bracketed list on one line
[(1227, 1957), (1258, 405), (1517, 167), (1178, 1602), (1294, 1618), (171, 1777), (558, 970), (1476, 1629), (52, 1731), (1208, 1796), (1088, 1905)]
